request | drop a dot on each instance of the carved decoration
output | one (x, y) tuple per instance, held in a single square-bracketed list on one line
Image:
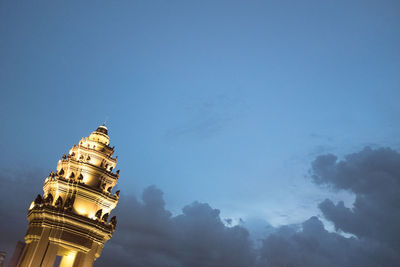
[(38, 200), (69, 203), (49, 199), (113, 221), (59, 202), (98, 213)]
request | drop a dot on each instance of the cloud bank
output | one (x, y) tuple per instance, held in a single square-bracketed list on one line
[(373, 175), (149, 235)]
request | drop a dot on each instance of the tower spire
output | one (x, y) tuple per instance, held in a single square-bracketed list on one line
[(71, 219), (105, 121)]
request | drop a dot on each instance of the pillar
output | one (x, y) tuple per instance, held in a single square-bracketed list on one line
[(35, 251), (50, 255), (84, 259)]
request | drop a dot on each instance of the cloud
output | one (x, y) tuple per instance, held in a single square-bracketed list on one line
[(314, 246), (197, 236), (150, 236), (373, 175)]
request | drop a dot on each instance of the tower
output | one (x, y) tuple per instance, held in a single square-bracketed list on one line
[(71, 219)]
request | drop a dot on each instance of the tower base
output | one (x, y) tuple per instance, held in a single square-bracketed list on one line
[(55, 232)]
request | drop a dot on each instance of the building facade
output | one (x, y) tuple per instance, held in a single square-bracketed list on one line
[(71, 219)]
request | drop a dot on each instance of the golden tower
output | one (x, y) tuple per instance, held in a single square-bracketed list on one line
[(71, 219)]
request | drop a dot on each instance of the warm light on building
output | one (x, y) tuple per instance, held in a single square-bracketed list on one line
[(68, 259), (71, 219)]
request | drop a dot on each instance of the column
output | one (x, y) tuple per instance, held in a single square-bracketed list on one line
[(38, 251), (27, 254), (87, 259), (50, 255)]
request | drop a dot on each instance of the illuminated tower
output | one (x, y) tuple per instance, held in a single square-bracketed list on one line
[(71, 219)]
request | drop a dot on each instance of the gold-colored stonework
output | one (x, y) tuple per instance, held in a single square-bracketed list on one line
[(71, 219)]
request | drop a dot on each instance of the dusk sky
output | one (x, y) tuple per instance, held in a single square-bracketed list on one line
[(222, 102)]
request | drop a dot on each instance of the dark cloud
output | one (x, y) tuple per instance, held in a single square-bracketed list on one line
[(373, 175), (315, 246), (150, 236)]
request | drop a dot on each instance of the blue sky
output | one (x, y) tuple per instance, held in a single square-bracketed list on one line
[(224, 102)]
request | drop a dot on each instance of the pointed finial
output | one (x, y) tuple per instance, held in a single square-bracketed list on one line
[(105, 121)]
